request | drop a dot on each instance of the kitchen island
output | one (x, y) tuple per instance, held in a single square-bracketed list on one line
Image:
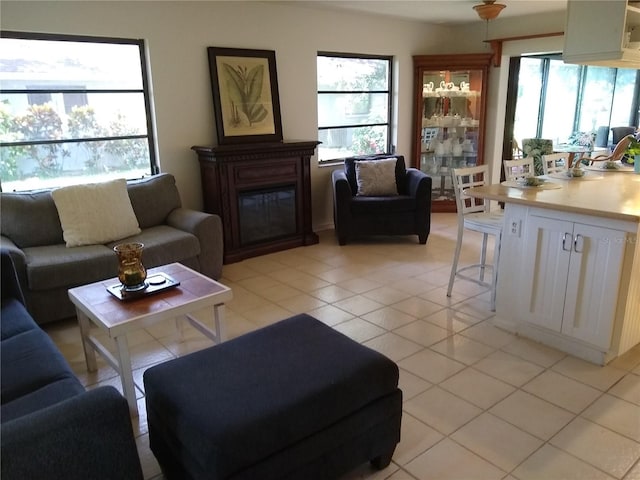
[(569, 268)]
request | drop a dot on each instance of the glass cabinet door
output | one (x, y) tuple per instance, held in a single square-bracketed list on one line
[(450, 114)]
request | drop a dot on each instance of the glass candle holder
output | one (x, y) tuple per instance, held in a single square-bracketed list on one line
[(131, 272)]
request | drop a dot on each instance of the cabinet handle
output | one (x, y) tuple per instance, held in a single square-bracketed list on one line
[(575, 243), (564, 242)]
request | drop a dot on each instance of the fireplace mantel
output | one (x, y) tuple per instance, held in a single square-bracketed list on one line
[(274, 177)]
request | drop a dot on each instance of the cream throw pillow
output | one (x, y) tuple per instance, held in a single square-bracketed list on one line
[(376, 177), (95, 213)]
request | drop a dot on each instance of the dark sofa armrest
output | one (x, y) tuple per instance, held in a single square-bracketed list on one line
[(341, 188), (342, 196), (208, 228), (419, 185), (18, 263), (10, 284), (87, 436), (418, 182)]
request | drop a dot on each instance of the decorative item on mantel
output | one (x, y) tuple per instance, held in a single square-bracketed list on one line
[(245, 95)]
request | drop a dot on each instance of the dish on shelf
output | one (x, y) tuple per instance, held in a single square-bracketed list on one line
[(457, 93)]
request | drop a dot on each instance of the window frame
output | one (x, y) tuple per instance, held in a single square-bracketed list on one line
[(145, 91), (545, 59), (388, 92)]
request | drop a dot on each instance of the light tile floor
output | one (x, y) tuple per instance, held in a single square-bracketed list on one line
[(479, 403)]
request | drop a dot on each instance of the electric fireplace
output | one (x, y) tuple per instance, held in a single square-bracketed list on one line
[(267, 214), (262, 192)]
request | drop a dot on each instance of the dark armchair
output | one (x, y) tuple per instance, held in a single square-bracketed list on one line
[(406, 213)]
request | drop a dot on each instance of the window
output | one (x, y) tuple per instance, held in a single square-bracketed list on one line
[(354, 105), (559, 101), (73, 110)]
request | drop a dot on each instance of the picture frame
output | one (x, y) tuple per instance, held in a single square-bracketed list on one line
[(245, 95)]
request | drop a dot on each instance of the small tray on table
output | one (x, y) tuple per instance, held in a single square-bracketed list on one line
[(156, 283)]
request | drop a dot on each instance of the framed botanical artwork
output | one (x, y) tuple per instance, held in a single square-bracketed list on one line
[(245, 95)]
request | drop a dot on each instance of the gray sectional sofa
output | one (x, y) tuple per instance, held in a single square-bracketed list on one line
[(32, 234)]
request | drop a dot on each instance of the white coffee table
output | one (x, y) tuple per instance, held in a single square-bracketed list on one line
[(94, 304)]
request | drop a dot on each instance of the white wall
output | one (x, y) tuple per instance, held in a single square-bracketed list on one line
[(178, 32)]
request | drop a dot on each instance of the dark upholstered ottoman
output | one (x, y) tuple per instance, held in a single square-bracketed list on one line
[(295, 400)]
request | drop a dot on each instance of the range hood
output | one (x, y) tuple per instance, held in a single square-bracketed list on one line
[(602, 32)]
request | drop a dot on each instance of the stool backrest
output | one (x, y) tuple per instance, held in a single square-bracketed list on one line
[(465, 178), (555, 162), (518, 169)]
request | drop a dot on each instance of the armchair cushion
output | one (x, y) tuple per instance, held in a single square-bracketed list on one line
[(376, 177), (350, 170), (380, 205)]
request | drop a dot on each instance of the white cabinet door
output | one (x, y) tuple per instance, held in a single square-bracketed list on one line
[(545, 272), (594, 278)]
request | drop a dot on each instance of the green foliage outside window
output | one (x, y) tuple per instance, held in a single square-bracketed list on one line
[(41, 122), (369, 140), (82, 123), (9, 155)]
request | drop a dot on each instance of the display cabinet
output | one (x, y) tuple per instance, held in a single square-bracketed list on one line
[(449, 118)]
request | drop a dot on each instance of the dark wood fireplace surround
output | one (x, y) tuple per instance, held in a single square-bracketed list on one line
[(230, 170)]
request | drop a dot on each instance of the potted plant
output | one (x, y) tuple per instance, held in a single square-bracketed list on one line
[(632, 154)]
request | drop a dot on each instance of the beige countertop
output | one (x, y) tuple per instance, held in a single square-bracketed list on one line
[(607, 194)]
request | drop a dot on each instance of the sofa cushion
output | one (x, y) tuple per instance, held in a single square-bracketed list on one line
[(55, 266), (164, 244), (14, 319), (376, 177), (95, 213), (30, 219), (381, 205), (29, 361), (43, 397), (350, 170), (154, 198)]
